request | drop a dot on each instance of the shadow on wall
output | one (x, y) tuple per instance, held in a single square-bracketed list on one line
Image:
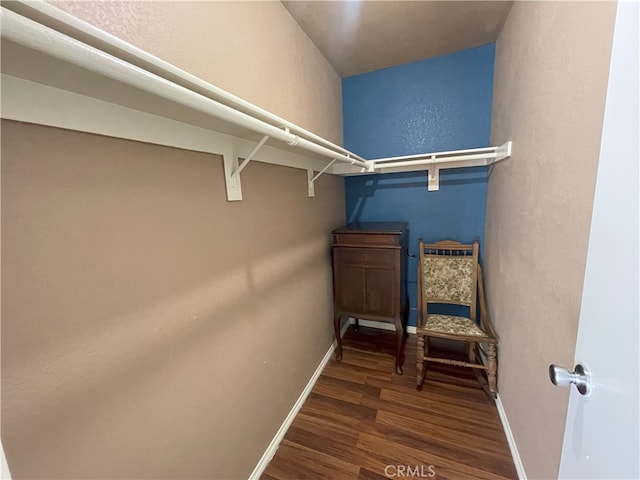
[(456, 211), (153, 344), (140, 310), (408, 180)]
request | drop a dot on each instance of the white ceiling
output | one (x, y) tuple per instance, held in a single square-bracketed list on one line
[(360, 36)]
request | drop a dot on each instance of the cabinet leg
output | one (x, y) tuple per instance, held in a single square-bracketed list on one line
[(400, 336), (336, 326)]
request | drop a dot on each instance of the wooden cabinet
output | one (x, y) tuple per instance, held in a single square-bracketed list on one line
[(370, 277)]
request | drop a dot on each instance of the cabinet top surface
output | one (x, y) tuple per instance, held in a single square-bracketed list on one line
[(373, 227)]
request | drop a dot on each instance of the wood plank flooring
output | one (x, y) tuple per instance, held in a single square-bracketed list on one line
[(362, 421)]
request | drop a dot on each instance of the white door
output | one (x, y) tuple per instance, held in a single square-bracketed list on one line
[(602, 429)]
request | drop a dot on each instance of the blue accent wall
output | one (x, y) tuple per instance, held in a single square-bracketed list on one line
[(432, 105)]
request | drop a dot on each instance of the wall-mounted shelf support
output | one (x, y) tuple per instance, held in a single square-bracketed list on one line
[(233, 185), (312, 179), (433, 183), (502, 152), (232, 170), (250, 156)]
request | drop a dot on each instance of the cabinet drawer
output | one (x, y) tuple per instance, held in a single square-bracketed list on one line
[(364, 239), (373, 257)]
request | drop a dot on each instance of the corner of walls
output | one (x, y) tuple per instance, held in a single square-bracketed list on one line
[(551, 70), (437, 104)]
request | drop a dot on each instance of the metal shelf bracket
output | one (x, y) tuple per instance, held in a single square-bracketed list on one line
[(502, 152), (312, 179), (232, 171), (433, 184)]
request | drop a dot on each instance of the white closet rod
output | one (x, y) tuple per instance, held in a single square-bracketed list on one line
[(419, 156), (84, 29), (33, 35), (425, 160)]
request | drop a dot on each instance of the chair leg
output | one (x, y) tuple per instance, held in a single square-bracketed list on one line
[(492, 366), (420, 361), (336, 326), (472, 352), (357, 324)]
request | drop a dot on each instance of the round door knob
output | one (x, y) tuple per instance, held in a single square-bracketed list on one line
[(562, 377)]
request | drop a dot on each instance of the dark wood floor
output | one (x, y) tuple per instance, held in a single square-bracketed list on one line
[(362, 421)]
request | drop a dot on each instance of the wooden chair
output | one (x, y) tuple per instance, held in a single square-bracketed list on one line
[(449, 273)]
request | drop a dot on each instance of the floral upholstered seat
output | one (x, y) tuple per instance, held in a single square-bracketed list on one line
[(453, 325)]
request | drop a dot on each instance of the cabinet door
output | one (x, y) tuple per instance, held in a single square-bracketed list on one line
[(380, 292), (349, 288)]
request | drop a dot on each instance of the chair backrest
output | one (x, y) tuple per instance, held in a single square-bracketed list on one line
[(448, 273)]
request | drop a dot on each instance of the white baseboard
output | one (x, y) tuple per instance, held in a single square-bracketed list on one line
[(517, 461), (510, 440), (380, 325), (4, 468), (275, 443)]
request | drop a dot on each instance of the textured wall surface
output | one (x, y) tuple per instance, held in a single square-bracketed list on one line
[(432, 105), (552, 63), (254, 50), (150, 329), (437, 104), (141, 312)]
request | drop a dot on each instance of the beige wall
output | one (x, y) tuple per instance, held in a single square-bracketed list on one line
[(254, 50), (552, 62), (150, 329)]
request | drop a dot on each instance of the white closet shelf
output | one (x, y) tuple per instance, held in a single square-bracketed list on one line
[(433, 162), (58, 70)]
